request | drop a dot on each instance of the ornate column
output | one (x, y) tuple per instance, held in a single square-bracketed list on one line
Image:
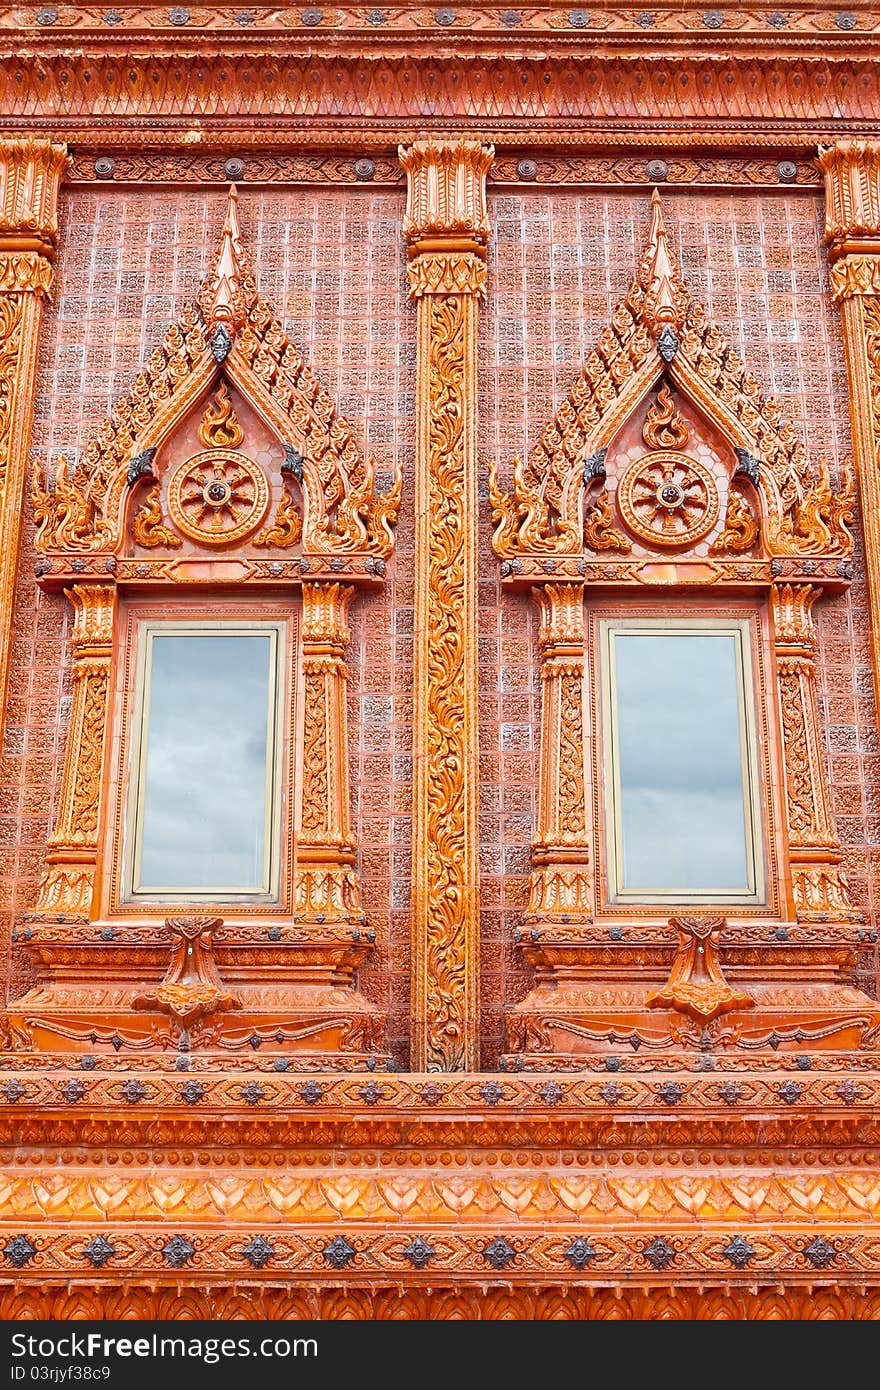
[(327, 888), (819, 885), (447, 227), (852, 233), (30, 175), (69, 872), (561, 883)]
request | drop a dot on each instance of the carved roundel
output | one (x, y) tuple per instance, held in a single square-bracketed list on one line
[(668, 499), (218, 497)]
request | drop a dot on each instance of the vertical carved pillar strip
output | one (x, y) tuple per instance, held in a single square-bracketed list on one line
[(30, 175), (327, 888), (447, 227), (852, 232), (820, 890), (68, 875), (561, 882)]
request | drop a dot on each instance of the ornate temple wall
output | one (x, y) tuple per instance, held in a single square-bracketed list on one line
[(333, 263)]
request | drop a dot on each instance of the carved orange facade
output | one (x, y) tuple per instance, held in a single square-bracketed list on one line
[(454, 337)]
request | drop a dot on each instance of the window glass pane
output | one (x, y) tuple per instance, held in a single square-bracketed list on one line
[(206, 772), (682, 813)]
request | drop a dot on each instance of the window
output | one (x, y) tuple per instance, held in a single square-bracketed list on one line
[(204, 811), (681, 778)]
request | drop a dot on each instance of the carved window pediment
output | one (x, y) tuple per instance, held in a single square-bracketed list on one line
[(228, 340), (661, 344)]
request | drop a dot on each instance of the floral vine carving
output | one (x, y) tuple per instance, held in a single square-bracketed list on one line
[(315, 769), (571, 755), (445, 744), (801, 819), (11, 311)]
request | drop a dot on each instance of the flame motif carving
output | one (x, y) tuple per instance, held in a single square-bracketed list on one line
[(600, 533), (148, 527), (219, 427), (664, 428), (740, 528)]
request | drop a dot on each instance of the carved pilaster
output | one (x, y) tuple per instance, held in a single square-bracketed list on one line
[(820, 890), (327, 888), (852, 231), (561, 882), (30, 175), (68, 875), (446, 226)]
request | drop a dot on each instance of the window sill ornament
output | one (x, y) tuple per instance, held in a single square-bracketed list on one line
[(696, 985), (192, 989)]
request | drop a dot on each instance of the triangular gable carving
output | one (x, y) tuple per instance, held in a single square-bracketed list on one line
[(659, 330), (229, 330)]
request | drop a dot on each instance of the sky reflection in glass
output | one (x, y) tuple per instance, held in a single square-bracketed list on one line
[(205, 784), (680, 762)]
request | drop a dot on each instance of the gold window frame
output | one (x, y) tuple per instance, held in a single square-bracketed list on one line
[(756, 850)]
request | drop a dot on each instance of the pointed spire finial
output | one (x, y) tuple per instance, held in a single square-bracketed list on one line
[(228, 290), (666, 295)]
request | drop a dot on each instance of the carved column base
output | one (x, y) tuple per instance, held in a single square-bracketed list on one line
[(102, 995), (602, 991)]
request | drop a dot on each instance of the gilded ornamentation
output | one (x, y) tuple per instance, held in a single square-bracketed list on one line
[(447, 273), (819, 883), (446, 226), (286, 529), (72, 848), (446, 190), (218, 497), (659, 331), (600, 533), (740, 531), (561, 883), (664, 428), (668, 499), (148, 525), (696, 984), (219, 427), (191, 988), (327, 888), (233, 331), (852, 191)]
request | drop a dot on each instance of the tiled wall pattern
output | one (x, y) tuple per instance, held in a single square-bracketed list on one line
[(332, 263)]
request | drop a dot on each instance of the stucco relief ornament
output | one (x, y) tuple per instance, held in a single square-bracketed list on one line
[(192, 988), (659, 334), (229, 333)]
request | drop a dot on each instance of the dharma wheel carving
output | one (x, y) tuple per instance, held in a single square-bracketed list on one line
[(668, 499), (218, 497)]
